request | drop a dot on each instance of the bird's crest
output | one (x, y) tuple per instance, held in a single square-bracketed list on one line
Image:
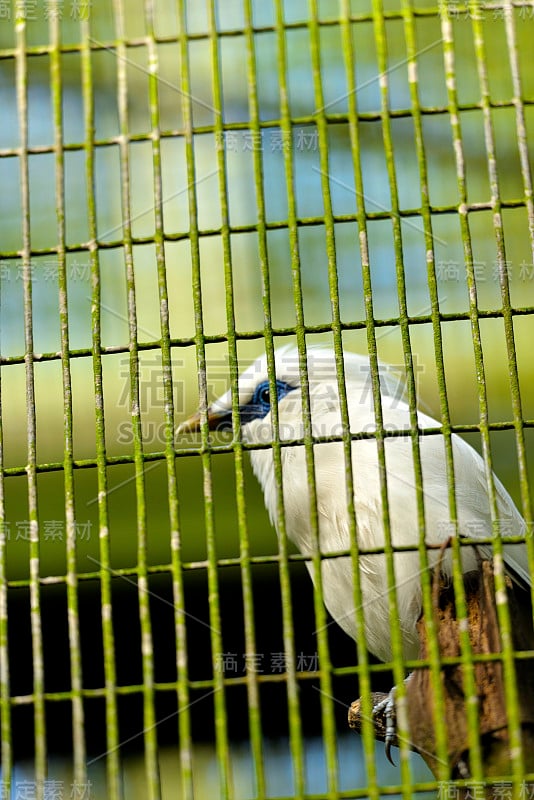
[(321, 368)]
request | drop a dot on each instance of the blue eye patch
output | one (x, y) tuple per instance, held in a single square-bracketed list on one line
[(260, 404)]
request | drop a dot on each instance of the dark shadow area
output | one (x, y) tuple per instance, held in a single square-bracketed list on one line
[(267, 657)]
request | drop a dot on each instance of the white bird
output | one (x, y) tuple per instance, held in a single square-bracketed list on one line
[(472, 501), (473, 509)]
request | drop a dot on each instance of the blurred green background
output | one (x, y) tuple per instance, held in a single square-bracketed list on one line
[(443, 192)]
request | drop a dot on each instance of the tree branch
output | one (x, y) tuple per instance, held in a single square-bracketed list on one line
[(489, 677)]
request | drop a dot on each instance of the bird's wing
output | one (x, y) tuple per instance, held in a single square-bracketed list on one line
[(471, 481), (473, 505)]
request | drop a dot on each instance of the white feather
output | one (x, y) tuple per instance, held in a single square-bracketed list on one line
[(472, 501)]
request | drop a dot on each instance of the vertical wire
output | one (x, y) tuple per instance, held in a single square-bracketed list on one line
[(79, 773), (526, 172), (149, 714), (522, 144), (470, 690), (294, 720), (501, 595), (438, 710), (113, 782), (329, 728), (253, 693), (221, 724), (295, 727), (183, 696), (35, 592), (363, 655), (5, 691), (396, 638)]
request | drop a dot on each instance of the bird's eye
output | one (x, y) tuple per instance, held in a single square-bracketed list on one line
[(264, 396), (261, 401)]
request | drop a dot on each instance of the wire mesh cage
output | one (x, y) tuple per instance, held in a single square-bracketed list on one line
[(188, 185)]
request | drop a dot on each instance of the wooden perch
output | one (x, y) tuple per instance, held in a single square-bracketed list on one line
[(484, 636)]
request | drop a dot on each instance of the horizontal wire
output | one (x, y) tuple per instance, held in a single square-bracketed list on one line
[(335, 118), (302, 222), (91, 463), (262, 677), (303, 25), (186, 341), (236, 561)]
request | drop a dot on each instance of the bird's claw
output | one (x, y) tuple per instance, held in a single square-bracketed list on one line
[(387, 707)]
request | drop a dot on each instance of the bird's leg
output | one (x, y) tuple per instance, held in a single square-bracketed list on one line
[(387, 707)]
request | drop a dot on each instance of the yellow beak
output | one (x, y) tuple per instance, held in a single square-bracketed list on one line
[(217, 420)]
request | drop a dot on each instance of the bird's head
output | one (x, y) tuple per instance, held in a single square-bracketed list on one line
[(254, 392), (254, 389)]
